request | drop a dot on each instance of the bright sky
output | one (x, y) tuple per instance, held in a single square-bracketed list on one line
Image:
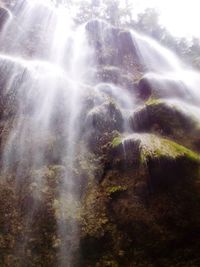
[(180, 17)]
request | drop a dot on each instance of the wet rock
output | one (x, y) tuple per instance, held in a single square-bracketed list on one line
[(101, 33), (112, 74), (127, 52), (143, 202), (113, 46), (109, 74), (100, 123), (162, 87), (167, 162), (102, 37), (105, 118), (125, 43), (4, 16), (163, 117), (12, 75)]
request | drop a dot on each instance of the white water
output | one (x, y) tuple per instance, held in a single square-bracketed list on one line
[(162, 65), (44, 58)]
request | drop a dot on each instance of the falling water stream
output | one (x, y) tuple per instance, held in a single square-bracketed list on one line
[(47, 74), (45, 60), (163, 66)]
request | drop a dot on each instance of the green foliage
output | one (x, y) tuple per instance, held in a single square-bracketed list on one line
[(155, 147), (117, 188), (116, 141), (153, 101)]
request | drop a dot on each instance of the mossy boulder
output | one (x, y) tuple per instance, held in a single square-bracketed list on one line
[(157, 86), (152, 146), (105, 118), (165, 118), (101, 122), (167, 162), (137, 211)]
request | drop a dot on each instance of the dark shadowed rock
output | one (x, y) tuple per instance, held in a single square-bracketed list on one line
[(4, 16), (113, 46), (165, 118), (167, 161), (143, 202), (125, 43), (105, 118), (12, 75), (109, 74), (158, 86), (112, 74), (100, 33), (100, 123)]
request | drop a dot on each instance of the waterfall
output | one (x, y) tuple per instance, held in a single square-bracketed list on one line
[(163, 66), (48, 70), (43, 79)]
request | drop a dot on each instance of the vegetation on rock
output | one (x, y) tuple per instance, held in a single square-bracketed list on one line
[(136, 173)]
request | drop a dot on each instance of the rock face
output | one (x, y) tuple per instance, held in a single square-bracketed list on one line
[(141, 203), (101, 124), (4, 16), (136, 170), (164, 116), (113, 46), (8, 93), (149, 149), (160, 86), (150, 178)]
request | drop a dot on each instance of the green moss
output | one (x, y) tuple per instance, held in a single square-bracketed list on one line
[(117, 188), (153, 146), (156, 147), (174, 107), (116, 141), (153, 101)]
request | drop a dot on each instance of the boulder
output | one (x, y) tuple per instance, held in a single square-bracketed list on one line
[(105, 118), (100, 123), (125, 43), (143, 205), (4, 16), (152, 85), (115, 75), (113, 46), (165, 118), (167, 162), (108, 74), (127, 52)]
